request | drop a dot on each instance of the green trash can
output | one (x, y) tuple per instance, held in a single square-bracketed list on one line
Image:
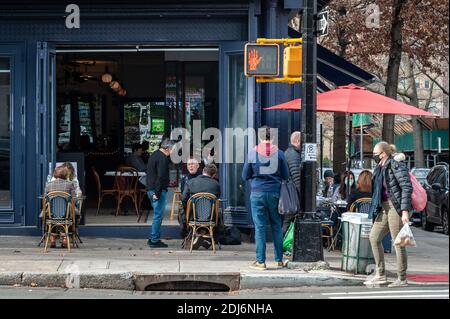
[(356, 249)]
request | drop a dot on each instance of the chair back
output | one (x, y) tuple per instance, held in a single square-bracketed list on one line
[(59, 205), (361, 205), (126, 179), (97, 180), (204, 208)]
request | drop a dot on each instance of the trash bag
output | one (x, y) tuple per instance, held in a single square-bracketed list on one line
[(289, 238), (405, 237), (229, 236)]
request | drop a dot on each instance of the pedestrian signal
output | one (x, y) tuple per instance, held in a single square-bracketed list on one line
[(262, 60)]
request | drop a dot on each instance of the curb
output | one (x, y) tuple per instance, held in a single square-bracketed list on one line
[(290, 280), (139, 281)]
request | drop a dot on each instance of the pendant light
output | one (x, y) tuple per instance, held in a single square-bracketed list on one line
[(106, 77)]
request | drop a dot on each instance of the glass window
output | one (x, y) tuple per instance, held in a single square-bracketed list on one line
[(427, 84), (236, 118), (5, 132)]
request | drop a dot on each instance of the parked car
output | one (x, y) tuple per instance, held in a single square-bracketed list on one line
[(436, 211)]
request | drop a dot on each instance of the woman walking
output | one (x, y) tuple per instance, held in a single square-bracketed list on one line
[(391, 207)]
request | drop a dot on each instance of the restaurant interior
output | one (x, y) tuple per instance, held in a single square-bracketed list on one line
[(109, 100)]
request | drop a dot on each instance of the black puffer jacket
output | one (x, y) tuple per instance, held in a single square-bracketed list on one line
[(398, 184), (293, 159)]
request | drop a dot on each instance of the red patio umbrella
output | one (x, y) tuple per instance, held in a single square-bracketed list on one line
[(355, 99)]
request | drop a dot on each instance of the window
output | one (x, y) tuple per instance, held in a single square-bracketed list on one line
[(427, 84), (5, 133), (417, 84)]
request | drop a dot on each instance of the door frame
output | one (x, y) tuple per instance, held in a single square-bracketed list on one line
[(16, 212)]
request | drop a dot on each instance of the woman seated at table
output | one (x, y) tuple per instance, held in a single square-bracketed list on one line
[(363, 188), (347, 179), (60, 183)]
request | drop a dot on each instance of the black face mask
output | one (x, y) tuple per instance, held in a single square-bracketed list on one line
[(377, 158)]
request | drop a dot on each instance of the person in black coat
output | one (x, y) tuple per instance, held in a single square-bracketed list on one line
[(293, 159)]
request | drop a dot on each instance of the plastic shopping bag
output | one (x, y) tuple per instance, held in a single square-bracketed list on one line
[(405, 237), (289, 238)]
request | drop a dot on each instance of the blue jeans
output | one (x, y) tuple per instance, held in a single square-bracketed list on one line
[(265, 206), (158, 213)]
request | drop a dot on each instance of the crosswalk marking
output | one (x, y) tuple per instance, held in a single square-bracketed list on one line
[(384, 292), (391, 297)]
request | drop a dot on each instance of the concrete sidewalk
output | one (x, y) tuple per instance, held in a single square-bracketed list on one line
[(130, 264)]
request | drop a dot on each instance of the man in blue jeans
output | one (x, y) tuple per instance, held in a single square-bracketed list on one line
[(157, 183), (266, 167)]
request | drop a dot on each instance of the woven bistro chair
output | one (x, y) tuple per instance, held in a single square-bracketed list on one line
[(361, 205), (60, 212), (126, 183), (202, 212), (102, 192)]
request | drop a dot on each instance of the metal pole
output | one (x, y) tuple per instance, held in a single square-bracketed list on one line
[(306, 226), (362, 142), (321, 150)]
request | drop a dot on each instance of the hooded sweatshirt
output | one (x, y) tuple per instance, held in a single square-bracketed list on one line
[(266, 168)]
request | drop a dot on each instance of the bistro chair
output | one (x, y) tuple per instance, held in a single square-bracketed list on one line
[(102, 192), (59, 209), (204, 208), (176, 202), (361, 205), (127, 179)]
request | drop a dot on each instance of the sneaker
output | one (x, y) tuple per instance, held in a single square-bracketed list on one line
[(376, 280), (279, 264), (258, 266), (398, 283), (158, 244)]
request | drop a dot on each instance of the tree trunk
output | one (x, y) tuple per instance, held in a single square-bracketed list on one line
[(417, 126), (395, 55), (339, 142)]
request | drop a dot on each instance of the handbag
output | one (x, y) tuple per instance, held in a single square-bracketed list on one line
[(289, 202)]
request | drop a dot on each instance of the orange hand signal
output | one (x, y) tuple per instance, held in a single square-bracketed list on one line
[(253, 59)]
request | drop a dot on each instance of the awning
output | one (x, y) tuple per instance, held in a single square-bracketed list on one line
[(335, 69)]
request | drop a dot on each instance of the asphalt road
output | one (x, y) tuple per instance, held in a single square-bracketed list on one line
[(411, 292)]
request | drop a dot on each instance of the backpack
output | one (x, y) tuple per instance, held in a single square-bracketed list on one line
[(289, 202), (419, 195)]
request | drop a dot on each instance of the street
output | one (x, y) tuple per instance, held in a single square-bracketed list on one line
[(411, 292)]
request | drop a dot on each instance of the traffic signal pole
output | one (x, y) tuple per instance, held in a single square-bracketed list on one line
[(308, 232)]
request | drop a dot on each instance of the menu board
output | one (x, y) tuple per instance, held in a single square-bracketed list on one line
[(143, 121), (84, 113)]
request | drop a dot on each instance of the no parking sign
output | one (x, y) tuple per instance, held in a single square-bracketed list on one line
[(309, 152)]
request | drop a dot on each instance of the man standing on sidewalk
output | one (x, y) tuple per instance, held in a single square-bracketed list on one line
[(157, 183), (293, 159), (266, 167)]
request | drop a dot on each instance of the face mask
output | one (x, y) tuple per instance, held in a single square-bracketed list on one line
[(351, 182), (377, 158)]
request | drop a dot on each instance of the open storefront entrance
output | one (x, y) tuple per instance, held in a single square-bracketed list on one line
[(109, 99)]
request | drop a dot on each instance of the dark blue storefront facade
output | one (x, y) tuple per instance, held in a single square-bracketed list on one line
[(30, 36)]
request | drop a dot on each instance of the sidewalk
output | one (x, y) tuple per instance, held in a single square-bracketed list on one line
[(130, 264)]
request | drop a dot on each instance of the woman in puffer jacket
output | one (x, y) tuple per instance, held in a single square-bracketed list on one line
[(390, 209)]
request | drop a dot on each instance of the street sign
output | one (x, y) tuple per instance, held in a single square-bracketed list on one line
[(310, 152), (262, 60), (322, 23)]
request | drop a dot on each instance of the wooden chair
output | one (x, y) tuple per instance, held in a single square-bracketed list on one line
[(60, 212), (205, 213), (102, 192), (361, 205), (328, 233), (176, 201), (126, 182)]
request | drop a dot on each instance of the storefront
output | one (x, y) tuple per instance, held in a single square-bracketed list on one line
[(176, 60)]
